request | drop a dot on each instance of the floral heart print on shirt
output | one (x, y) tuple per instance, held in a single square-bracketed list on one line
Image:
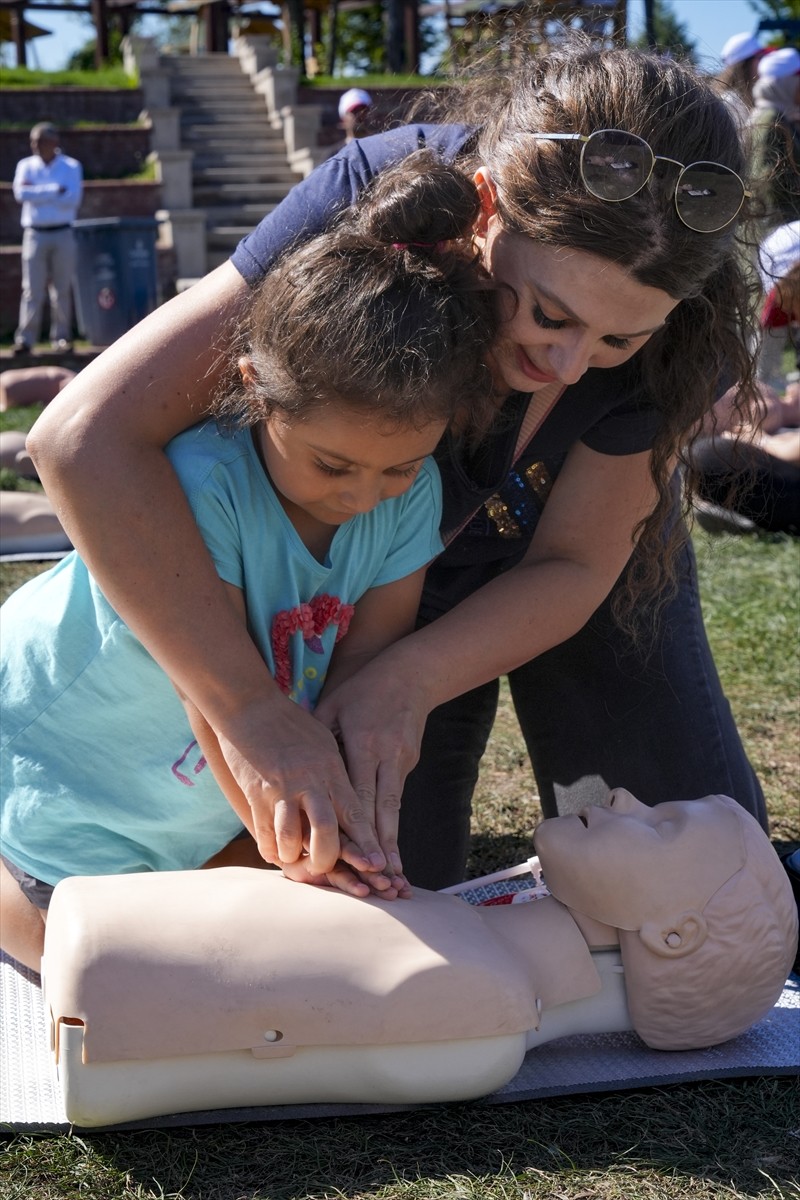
[(311, 620)]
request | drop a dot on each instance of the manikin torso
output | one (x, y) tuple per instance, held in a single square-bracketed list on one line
[(236, 986), (232, 987)]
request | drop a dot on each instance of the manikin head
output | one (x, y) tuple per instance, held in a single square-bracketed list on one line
[(705, 913)]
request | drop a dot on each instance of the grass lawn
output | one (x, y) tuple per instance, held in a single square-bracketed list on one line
[(723, 1140)]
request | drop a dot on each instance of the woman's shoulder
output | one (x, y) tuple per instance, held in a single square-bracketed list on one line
[(381, 149), (335, 184)]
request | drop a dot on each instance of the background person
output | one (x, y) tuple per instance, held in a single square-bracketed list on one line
[(354, 111), (620, 314), (775, 131), (48, 184), (740, 58), (752, 469)]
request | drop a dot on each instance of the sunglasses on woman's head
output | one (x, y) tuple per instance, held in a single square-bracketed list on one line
[(615, 165)]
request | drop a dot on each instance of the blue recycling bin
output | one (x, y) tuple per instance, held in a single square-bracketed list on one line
[(116, 276)]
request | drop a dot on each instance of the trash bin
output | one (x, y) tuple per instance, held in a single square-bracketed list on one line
[(116, 278)]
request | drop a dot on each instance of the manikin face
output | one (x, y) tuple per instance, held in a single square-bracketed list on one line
[(337, 463), (573, 310), (626, 864)]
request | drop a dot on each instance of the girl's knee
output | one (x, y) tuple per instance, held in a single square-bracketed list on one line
[(21, 923)]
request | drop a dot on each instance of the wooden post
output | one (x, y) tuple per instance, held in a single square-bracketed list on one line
[(100, 18), (411, 21), (18, 30)]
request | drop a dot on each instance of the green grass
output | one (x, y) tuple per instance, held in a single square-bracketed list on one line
[(725, 1140), (376, 81), (19, 418), (25, 77), (698, 1142)]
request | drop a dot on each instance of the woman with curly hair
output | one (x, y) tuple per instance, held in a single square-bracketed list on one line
[(610, 184)]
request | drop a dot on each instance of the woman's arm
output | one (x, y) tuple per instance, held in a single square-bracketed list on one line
[(383, 616), (581, 545), (98, 451)]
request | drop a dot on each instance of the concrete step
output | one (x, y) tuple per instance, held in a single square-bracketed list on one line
[(234, 193), (266, 160), (219, 111), (201, 64), (227, 130), (228, 92), (221, 236), (237, 148), (266, 141), (209, 97), (256, 173), (240, 171), (239, 215), (227, 87)]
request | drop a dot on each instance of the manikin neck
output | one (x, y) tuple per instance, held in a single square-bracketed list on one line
[(575, 967)]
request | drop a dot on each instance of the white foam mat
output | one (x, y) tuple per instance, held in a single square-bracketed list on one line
[(30, 1097)]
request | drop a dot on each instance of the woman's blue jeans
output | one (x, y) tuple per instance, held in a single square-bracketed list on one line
[(595, 715)]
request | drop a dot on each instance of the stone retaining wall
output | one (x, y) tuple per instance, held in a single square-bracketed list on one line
[(105, 152), (68, 105)]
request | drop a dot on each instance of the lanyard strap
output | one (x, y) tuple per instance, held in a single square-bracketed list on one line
[(539, 407)]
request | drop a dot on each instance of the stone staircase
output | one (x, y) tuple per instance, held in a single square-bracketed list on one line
[(240, 169)]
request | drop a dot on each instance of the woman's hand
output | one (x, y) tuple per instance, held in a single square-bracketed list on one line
[(378, 716)]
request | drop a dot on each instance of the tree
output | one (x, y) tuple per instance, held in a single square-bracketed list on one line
[(361, 44), (671, 34), (782, 9)]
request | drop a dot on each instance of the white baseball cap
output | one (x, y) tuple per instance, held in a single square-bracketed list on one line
[(353, 98), (739, 48), (777, 64), (778, 253)]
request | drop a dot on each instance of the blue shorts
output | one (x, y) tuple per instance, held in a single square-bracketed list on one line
[(35, 890)]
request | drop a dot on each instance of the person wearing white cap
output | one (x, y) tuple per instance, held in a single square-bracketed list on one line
[(740, 58), (775, 128), (354, 104)]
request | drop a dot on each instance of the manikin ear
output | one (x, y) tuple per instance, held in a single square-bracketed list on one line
[(675, 938), (487, 193), (246, 371)]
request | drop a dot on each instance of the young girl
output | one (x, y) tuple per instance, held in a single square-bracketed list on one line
[(316, 497)]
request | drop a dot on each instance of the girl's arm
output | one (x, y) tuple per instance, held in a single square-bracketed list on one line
[(582, 543), (381, 616), (98, 449), (262, 824)]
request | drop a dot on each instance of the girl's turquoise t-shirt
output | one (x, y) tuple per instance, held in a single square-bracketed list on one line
[(100, 770)]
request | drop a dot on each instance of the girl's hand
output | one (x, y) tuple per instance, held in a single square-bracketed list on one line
[(290, 770), (345, 879)]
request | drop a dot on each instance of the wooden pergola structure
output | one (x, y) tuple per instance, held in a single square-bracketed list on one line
[(215, 15), (471, 22)]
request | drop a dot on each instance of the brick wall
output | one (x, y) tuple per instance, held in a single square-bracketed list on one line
[(105, 152), (68, 105)]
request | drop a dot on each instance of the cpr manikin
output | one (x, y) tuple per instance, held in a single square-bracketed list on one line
[(174, 992)]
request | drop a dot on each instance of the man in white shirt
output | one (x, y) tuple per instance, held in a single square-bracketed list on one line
[(48, 185)]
